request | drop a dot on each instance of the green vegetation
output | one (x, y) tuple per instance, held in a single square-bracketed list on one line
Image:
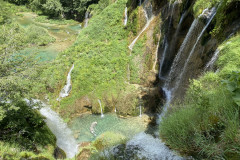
[(10, 152), (207, 123), (108, 139), (100, 60), (224, 16), (22, 128), (70, 9)]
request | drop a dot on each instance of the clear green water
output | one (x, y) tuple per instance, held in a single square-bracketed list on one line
[(64, 34), (110, 122)]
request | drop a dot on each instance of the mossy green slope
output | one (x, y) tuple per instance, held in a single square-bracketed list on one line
[(100, 56)]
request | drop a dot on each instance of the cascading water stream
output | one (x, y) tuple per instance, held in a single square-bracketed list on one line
[(126, 17), (187, 40), (86, 19), (65, 139), (67, 88), (214, 58), (100, 104), (145, 27), (213, 12), (166, 41), (180, 52)]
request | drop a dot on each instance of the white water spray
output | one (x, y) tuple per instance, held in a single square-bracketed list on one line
[(67, 88), (214, 58), (126, 17), (86, 19), (100, 104), (65, 139)]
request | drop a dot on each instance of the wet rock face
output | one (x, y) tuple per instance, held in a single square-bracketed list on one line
[(83, 105), (59, 153)]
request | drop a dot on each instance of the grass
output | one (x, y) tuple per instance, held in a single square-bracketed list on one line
[(100, 56), (207, 123), (13, 152)]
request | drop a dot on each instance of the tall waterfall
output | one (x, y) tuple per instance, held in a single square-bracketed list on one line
[(209, 14), (67, 88), (213, 12), (166, 40), (65, 139), (125, 17), (148, 14)]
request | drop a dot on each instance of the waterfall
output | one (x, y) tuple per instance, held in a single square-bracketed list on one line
[(163, 56), (213, 12), (65, 139), (145, 27), (140, 112), (67, 88), (166, 41), (86, 19), (140, 2), (102, 115), (214, 58), (175, 66), (180, 52), (168, 95), (126, 17)]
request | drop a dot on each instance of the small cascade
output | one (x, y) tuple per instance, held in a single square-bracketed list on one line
[(209, 65), (166, 40), (102, 115), (149, 19), (65, 139), (115, 110), (126, 17), (212, 14), (86, 19), (168, 95), (140, 2), (67, 88), (140, 111)]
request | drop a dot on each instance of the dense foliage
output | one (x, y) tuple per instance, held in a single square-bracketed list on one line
[(71, 9), (20, 124)]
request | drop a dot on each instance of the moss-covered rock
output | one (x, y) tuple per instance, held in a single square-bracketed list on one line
[(59, 153), (108, 139)]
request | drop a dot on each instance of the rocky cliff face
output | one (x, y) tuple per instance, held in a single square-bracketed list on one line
[(186, 43)]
